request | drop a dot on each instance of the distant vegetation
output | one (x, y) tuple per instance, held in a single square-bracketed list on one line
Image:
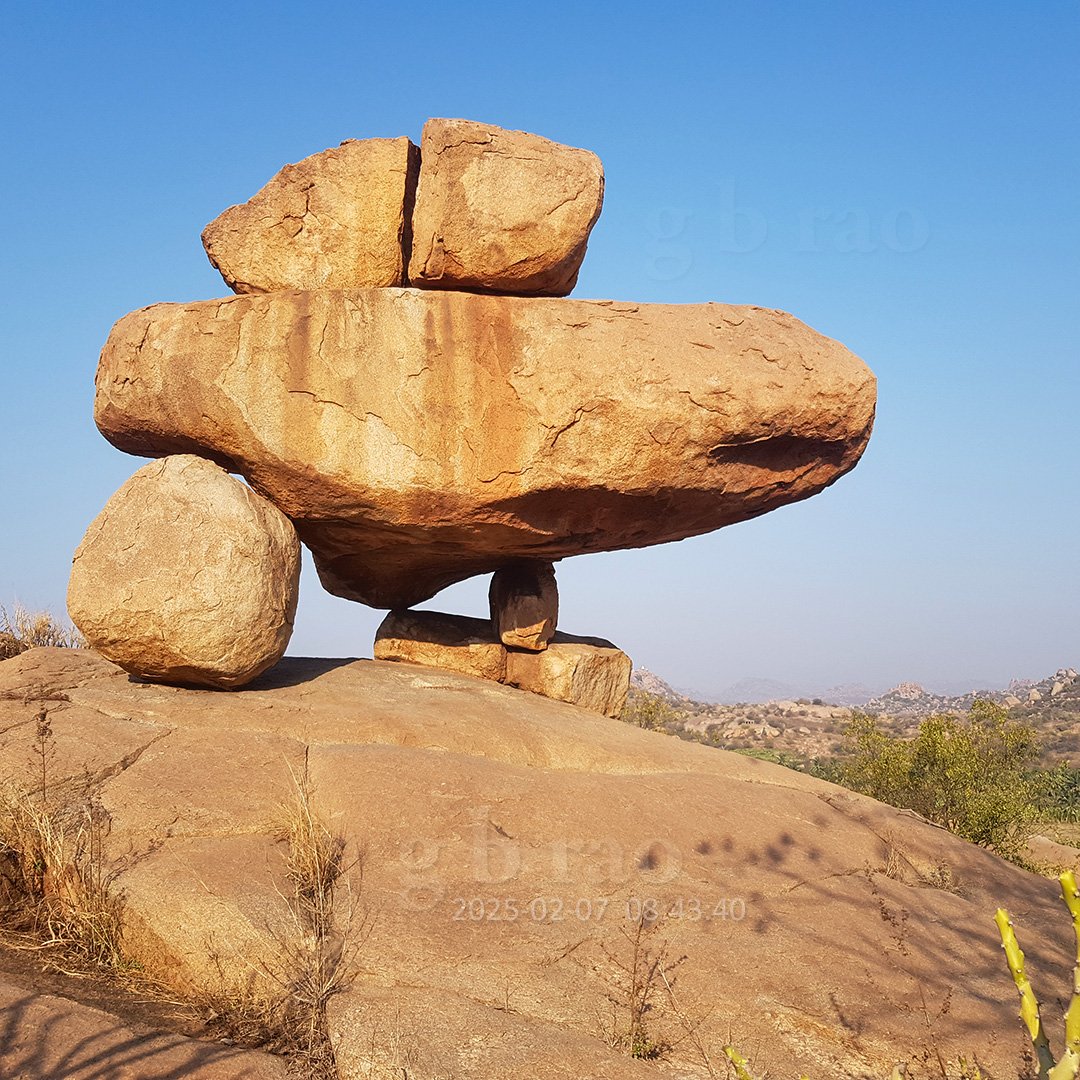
[(21, 630), (973, 774)]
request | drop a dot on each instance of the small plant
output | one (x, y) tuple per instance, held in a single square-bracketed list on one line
[(315, 955), (1068, 1068), (638, 974), (21, 630)]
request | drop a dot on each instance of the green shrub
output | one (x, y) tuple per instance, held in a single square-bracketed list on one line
[(1063, 794), (973, 774), (649, 711)]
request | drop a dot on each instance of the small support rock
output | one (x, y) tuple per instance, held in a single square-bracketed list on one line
[(524, 603)]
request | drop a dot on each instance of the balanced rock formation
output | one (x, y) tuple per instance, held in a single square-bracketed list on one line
[(418, 438), (588, 672), (501, 211), (187, 575), (524, 602), (336, 220)]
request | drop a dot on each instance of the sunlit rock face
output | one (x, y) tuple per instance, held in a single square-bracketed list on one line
[(420, 437)]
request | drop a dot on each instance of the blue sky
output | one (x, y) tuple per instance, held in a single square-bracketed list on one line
[(901, 177)]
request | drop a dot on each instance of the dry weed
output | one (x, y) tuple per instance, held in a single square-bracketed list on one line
[(636, 974), (55, 882), (21, 630), (315, 957)]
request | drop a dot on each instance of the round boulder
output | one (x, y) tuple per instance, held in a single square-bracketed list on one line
[(187, 576)]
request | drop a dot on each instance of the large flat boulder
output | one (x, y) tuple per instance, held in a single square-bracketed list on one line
[(417, 438), (501, 211), (509, 844), (585, 671), (187, 575), (438, 640), (336, 220)]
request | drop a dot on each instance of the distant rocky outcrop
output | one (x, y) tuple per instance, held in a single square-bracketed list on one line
[(912, 700), (405, 381), (645, 680)]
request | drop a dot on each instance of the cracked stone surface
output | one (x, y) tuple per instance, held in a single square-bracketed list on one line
[(501, 211), (507, 842), (187, 575), (336, 220), (417, 438)]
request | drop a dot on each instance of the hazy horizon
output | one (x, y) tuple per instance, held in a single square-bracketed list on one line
[(905, 181)]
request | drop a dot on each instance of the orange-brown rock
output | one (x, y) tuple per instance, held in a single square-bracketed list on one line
[(336, 220), (450, 642), (501, 211), (187, 575), (504, 845), (524, 603), (46, 1036), (417, 438), (588, 672), (584, 671)]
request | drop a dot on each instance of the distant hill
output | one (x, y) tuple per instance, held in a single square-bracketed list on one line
[(758, 691), (643, 679), (812, 726)]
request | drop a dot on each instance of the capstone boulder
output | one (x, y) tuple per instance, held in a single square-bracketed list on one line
[(418, 438)]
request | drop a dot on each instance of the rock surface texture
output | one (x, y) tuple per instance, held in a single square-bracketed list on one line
[(450, 642), (336, 220), (524, 602), (508, 844), (187, 575), (588, 672), (585, 671), (501, 211), (46, 1037), (418, 438)]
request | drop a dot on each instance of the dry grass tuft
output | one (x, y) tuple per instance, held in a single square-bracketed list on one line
[(55, 883), (315, 958), (21, 630)]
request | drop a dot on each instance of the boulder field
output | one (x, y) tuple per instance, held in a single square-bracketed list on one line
[(501, 849)]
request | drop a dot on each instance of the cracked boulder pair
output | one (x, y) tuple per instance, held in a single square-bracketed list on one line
[(495, 211), (417, 438)]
